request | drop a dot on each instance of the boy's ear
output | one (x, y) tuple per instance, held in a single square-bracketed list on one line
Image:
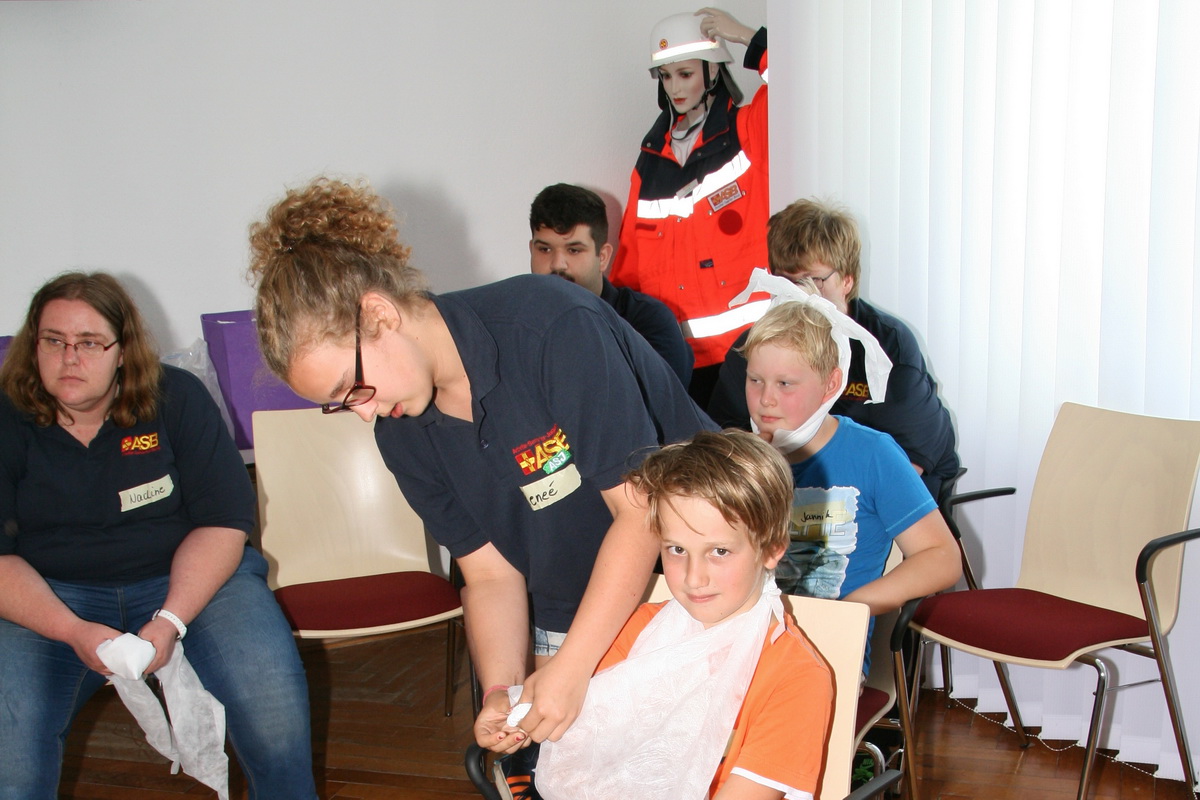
[(772, 557), (834, 384)]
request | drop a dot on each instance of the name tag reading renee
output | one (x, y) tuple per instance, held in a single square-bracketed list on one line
[(147, 493), (552, 488)]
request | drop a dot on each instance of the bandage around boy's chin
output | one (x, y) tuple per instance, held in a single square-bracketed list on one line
[(843, 329), (519, 710)]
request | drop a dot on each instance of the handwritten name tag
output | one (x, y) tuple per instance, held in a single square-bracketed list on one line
[(147, 493), (552, 488)]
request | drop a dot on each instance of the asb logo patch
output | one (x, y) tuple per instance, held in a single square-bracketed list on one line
[(547, 453), (146, 443), (724, 196), (858, 390)]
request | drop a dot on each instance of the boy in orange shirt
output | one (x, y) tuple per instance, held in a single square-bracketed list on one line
[(717, 692)]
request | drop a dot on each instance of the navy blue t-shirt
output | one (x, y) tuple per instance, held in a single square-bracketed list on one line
[(566, 399), (114, 512)]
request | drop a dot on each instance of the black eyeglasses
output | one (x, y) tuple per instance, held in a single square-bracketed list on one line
[(360, 392), (821, 281)]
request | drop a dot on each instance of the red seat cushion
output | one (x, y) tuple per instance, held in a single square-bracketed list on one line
[(367, 601), (870, 702), (1025, 624)]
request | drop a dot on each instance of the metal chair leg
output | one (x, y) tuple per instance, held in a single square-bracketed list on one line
[(451, 653), (1010, 699), (905, 711), (1089, 756)]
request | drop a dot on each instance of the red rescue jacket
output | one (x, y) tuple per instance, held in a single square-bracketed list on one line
[(692, 233)]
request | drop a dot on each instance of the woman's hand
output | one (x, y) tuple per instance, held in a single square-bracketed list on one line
[(85, 637), (162, 634), (719, 23), (492, 729)]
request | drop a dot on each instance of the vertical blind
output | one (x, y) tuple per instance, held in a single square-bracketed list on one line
[(1025, 175)]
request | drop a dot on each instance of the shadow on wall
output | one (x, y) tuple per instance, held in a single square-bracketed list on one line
[(154, 313), (429, 222)]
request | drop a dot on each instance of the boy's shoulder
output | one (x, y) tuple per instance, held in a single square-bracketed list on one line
[(854, 437), (795, 648)]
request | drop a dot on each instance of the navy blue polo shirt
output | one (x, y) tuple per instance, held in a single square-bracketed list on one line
[(656, 323), (566, 399), (115, 511)]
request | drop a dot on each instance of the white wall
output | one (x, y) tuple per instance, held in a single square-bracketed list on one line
[(142, 138)]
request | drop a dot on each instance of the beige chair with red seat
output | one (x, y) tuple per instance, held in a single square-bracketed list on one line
[(348, 556), (1101, 561)]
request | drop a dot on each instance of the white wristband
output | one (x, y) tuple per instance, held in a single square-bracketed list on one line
[(174, 620)]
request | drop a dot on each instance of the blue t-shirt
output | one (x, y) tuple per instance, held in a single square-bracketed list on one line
[(566, 398), (850, 500)]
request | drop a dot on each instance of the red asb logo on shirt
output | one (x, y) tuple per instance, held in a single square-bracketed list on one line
[(146, 443), (547, 453)]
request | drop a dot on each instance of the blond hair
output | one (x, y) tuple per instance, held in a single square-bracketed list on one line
[(743, 477), (317, 252), (809, 232), (799, 327)]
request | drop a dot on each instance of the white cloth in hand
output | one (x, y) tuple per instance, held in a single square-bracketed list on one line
[(194, 737), (127, 655)]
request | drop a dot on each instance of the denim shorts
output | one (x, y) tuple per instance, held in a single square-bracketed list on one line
[(546, 643)]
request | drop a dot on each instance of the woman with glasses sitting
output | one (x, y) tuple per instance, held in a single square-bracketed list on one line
[(125, 507), (508, 414)]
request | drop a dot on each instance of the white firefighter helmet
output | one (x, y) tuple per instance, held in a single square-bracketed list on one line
[(678, 38)]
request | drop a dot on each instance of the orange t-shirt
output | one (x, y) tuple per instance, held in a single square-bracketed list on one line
[(781, 728)]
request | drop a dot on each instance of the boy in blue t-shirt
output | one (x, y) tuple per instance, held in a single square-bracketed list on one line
[(855, 491)]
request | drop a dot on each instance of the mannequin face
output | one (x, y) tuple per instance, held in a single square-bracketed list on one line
[(683, 82), (711, 567)]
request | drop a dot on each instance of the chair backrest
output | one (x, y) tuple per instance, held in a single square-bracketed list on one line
[(1109, 482), (328, 507), (839, 631)]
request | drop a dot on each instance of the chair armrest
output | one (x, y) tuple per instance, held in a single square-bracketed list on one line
[(902, 619), (884, 780), (980, 494), (1152, 547), (475, 760), (947, 505)]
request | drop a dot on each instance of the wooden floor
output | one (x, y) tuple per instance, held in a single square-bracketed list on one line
[(381, 735)]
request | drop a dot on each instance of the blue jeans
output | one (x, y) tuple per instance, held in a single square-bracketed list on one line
[(240, 646)]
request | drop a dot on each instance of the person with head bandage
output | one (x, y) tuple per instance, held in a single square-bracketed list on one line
[(855, 492), (819, 241)]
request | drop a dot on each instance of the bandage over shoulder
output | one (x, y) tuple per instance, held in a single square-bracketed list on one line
[(656, 724)]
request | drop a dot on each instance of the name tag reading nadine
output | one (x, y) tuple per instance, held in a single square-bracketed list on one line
[(147, 493), (552, 488)]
